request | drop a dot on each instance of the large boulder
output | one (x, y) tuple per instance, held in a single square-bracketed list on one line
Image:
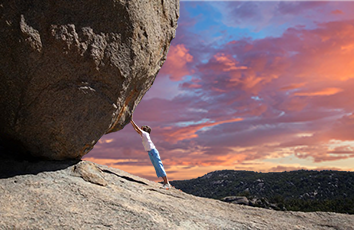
[(72, 71)]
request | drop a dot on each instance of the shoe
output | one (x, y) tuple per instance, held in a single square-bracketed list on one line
[(166, 186)]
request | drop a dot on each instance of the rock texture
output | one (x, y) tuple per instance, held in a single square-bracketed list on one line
[(236, 200), (72, 71), (65, 195)]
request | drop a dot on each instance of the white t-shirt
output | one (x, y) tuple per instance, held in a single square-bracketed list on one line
[(148, 145)]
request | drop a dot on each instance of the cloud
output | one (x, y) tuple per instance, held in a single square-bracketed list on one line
[(319, 153), (242, 14), (227, 62), (337, 12), (293, 86), (174, 134), (296, 8), (274, 17), (176, 65), (194, 83), (323, 92), (342, 129), (296, 79)]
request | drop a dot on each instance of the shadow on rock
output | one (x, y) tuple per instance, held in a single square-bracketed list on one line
[(14, 161), (10, 167)]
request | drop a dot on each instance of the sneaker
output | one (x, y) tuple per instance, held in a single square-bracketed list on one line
[(166, 186)]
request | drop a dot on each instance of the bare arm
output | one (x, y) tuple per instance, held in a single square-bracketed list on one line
[(137, 129)]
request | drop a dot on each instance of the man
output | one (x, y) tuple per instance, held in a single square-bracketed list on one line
[(144, 132)]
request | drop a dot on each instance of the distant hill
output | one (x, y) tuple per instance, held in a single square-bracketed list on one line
[(301, 190)]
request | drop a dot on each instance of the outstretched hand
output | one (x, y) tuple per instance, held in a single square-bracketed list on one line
[(137, 129)]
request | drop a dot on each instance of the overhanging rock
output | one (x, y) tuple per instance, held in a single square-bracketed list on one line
[(72, 71)]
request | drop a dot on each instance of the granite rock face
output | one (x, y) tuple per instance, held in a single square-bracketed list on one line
[(72, 71), (71, 195)]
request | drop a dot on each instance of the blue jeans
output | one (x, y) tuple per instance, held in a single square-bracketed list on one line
[(157, 163)]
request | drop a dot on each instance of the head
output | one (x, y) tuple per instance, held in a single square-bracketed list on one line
[(146, 128)]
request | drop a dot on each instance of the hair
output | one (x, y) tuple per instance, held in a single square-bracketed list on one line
[(147, 128)]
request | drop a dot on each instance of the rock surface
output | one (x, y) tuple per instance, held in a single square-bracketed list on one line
[(72, 71), (254, 202), (56, 195), (236, 200)]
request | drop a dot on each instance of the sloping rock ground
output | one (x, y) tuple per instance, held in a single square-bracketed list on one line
[(84, 195)]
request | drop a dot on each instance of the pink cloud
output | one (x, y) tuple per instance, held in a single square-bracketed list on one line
[(296, 8), (318, 154), (176, 64), (174, 134), (194, 83), (227, 62), (293, 86), (322, 92), (337, 12), (342, 129)]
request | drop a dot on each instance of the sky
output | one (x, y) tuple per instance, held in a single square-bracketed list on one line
[(257, 86)]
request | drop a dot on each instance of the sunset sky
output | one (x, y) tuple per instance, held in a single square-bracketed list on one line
[(259, 86)]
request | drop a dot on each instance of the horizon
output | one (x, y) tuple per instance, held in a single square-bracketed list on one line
[(266, 172), (247, 86)]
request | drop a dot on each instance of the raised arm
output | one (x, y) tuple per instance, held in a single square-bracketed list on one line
[(137, 129)]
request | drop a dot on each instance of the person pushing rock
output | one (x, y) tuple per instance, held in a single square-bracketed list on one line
[(154, 155)]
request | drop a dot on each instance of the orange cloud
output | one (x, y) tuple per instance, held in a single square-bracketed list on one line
[(191, 85), (337, 12), (176, 64), (347, 47), (325, 150), (175, 134), (228, 62), (293, 86), (327, 52), (251, 81), (323, 92)]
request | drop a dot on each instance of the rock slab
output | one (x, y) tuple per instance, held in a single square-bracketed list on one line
[(52, 195), (72, 71)]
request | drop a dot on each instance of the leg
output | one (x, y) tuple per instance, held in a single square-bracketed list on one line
[(160, 171), (157, 163), (165, 180)]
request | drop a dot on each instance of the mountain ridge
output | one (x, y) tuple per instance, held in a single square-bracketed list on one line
[(294, 190)]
